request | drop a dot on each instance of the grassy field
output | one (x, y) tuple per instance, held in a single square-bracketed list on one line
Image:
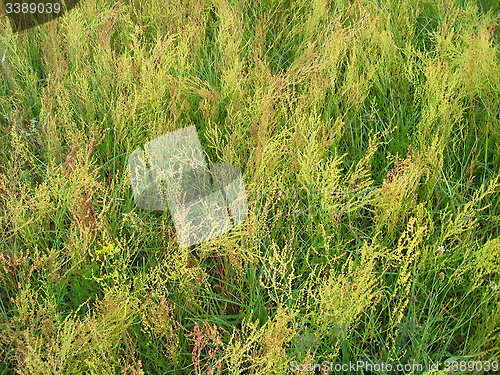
[(368, 134)]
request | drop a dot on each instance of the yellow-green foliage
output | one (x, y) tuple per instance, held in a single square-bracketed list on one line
[(159, 324), (398, 196), (487, 261), (369, 140), (261, 351), (47, 343), (343, 296)]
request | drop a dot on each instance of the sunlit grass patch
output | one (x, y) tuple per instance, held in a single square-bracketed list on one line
[(368, 136)]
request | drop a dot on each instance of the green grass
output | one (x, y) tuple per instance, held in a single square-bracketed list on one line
[(369, 139)]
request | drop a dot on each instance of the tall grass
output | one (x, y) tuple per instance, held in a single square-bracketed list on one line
[(369, 139)]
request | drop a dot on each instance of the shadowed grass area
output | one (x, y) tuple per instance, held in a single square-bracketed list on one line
[(368, 135)]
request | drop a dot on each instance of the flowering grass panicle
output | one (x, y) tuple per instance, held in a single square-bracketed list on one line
[(368, 139)]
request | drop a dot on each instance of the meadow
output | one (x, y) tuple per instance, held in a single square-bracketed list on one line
[(368, 135)]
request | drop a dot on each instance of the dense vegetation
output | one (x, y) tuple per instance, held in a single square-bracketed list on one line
[(368, 133)]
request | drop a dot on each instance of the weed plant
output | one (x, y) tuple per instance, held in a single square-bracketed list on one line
[(368, 133)]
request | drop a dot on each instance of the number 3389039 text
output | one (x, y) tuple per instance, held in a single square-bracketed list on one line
[(32, 8)]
